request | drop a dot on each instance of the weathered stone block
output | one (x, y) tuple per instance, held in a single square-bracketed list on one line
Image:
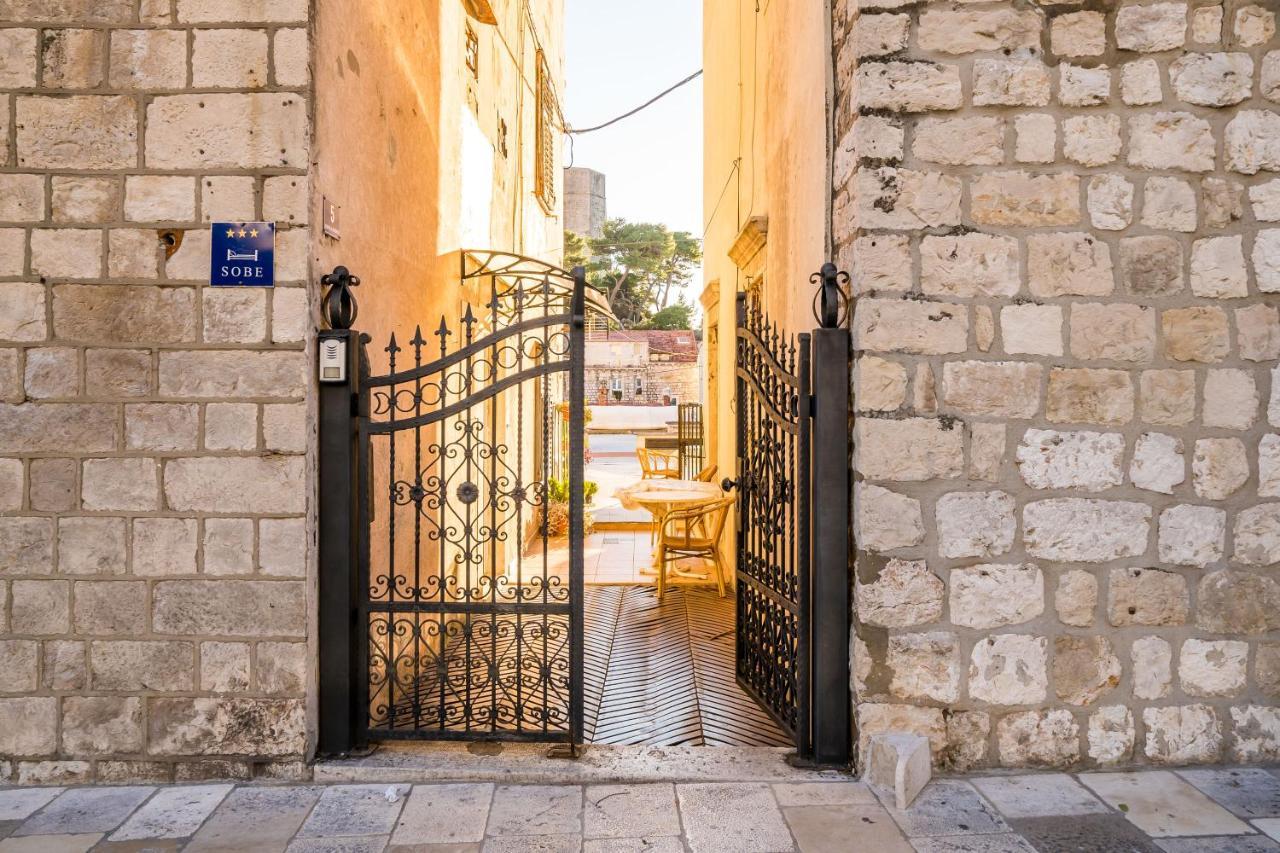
[(1140, 83), (972, 30), (242, 11), (161, 426), (236, 484), (225, 608), (1083, 87), (903, 594), (72, 58), (142, 665), (909, 87), (1256, 734), (1169, 203), (1195, 334), (1158, 463), (1113, 332), (208, 131), (282, 547), (83, 200), (1269, 466), (1192, 535), (290, 315), (21, 196), (1257, 535), (883, 262), (1085, 531), (105, 608), (28, 725), (975, 524), (1212, 79), (120, 484), (1153, 28), (66, 253), (1035, 138), (282, 668), (101, 725), (965, 141), (132, 253), (91, 546), (18, 58), (1237, 603), (1031, 329), (228, 546), (877, 718), (1084, 669), (26, 545), (211, 373), (1168, 396), (19, 663), (1078, 34), (880, 385), (1091, 140), (78, 132), (886, 520), (1147, 597), (40, 607), (1110, 202), (1251, 142), (1151, 265), (1038, 739), (53, 484), (1092, 461), (124, 313), (291, 57), (164, 546), (226, 198), (1254, 25), (924, 666), (905, 199), (1152, 667), (1009, 669), (1213, 667), (1188, 734), (1077, 395), (1024, 199), (229, 59), (1007, 389), (908, 449), (1069, 264), (1076, 598), (1111, 735), (52, 372), (226, 726), (224, 667), (904, 325), (1010, 82), (991, 595), (64, 665), (1171, 140), (1266, 260), (1218, 269), (1230, 399), (118, 372), (968, 265), (1219, 467)]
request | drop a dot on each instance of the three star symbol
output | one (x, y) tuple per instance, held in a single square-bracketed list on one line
[(252, 232)]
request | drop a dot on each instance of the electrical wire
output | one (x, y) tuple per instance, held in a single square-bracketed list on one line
[(575, 131)]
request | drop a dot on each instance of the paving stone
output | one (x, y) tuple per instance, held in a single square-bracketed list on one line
[(1271, 826), (262, 818), (630, 811), (85, 810), (21, 803), (1162, 805), (1004, 842), (173, 812), (8, 826), (1220, 844), (831, 829), (734, 818), (444, 814), (1096, 834), (949, 807), (659, 844), (149, 845), (354, 844), (76, 843), (1245, 792), (534, 844), (536, 810), (823, 794), (352, 810), (1039, 795)]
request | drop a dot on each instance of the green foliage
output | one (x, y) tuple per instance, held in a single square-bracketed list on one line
[(639, 266), (677, 316), (558, 490)]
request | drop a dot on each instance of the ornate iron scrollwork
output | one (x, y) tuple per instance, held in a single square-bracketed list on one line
[(339, 305), (830, 304)]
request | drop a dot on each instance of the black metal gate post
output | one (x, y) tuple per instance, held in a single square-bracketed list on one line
[(339, 369), (831, 519), (577, 452)]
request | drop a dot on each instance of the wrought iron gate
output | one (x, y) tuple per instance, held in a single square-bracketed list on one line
[(468, 537), (792, 562), (689, 440)]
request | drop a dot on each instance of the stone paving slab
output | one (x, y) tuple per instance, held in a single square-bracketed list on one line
[(173, 813), (1245, 792), (444, 814), (86, 810), (732, 818), (1155, 811), (1042, 795), (1162, 805)]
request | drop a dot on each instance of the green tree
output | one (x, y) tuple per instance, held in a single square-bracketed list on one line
[(639, 266), (577, 250), (677, 316)]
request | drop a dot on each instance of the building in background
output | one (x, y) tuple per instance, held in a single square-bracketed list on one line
[(585, 210), (642, 367)]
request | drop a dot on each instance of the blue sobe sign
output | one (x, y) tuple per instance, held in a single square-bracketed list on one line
[(243, 254)]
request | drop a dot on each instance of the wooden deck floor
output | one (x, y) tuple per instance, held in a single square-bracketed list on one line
[(662, 675)]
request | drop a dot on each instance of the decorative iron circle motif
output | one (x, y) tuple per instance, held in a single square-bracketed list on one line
[(468, 492)]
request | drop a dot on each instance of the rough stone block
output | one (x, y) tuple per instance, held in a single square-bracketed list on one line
[(91, 546), (101, 725), (229, 608), (886, 520), (1076, 598), (1084, 87), (1153, 28), (28, 725), (229, 59), (1085, 530), (1168, 396), (905, 199), (1152, 667), (903, 325), (903, 594), (40, 607), (899, 764), (164, 546), (120, 484), (1077, 395), (1147, 597), (1024, 199), (212, 373), (1009, 669), (1111, 735), (148, 59), (161, 426), (1192, 535), (1010, 82), (1251, 142), (124, 313), (965, 141), (1007, 389), (131, 665), (1038, 739), (226, 726), (1171, 140), (1170, 203), (208, 131), (1219, 468), (72, 58), (909, 449), (1091, 140), (1188, 734), (106, 608), (1049, 459), (1069, 264), (968, 265), (991, 595), (909, 87), (1110, 203), (1084, 668), (77, 132), (1213, 667)]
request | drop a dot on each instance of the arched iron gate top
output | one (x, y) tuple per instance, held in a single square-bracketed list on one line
[(512, 271)]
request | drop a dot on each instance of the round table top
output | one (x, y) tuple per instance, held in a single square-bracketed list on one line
[(668, 494)]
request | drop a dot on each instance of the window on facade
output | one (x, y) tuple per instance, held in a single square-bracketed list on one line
[(545, 138), (639, 387), (473, 52), (615, 387)]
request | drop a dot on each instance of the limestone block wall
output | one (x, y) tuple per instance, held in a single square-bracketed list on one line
[(1061, 219), (153, 546)]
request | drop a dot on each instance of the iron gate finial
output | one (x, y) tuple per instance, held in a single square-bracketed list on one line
[(830, 302), (339, 306)]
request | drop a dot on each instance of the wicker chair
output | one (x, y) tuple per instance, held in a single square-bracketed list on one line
[(693, 532), (657, 464)]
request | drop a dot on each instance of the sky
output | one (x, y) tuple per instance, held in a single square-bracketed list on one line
[(619, 54)]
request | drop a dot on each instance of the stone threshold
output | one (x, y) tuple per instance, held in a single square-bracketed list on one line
[(522, 763)]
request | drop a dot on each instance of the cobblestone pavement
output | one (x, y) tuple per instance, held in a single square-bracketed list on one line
[(1181, 811)]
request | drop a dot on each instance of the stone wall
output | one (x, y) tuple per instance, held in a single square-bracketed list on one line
[(1059, 218), (153, 545)]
